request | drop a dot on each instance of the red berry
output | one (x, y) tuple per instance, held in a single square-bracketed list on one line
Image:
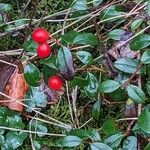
[(44, 51), (55, 83), (40, 35)]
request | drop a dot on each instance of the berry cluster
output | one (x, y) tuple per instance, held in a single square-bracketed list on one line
[(41, 36)]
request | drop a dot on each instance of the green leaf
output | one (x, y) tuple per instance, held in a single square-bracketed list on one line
[(93, 134), (1, 19), (148, 7), (97, 111), (50, 61), (148, 87), (36, 97), (92, 87), (109, 126), (69, 141), (86, 39), (79, 5), (144, 121), (99, 146), (147, 147), (127, 65), (97, 2), (130, 143), (32, 74), (136, 94), (30, 46), (65, 63), (79, 82), (85, 57), (69, 37), (140, 42), (116, 34), (37, 145), (145, 59), (110, 13), (114, 140), (38, 127), (135, 24), (21, 22), (15, 139), (5, 7), (109, 86)]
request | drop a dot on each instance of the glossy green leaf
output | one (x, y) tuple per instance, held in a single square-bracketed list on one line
[(109, 126), (136, 94), (86, 39), (145, 59), (97, 2), (114, 140), (37, 98), (140, 42), (15, 139), (116, 34), (30, 46), (97, 111), (99, 146), (5, 7), (127, 65), (92, 87), (135, 24), (144, 121), (130, 143), (69, 141), (38, 127), (65, 63), (93, 134), (32, 75), (85, 57), (108, 86), (69, 37), (79, 5)]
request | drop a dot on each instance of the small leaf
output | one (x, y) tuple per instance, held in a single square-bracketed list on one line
[(79, 82), (97, 111), (145, 59), (144, 121), (80, 5), (114, 140), (127, 65), (32, 75), (148, 87), (86, 39), (92, 87), (135, 24), (69, 141), (38, 127), (5, 7), (140, 42), (30, 46), (93, 134), (148, 7), (97, 2), (85, 57), (99, 146), (130, 143), (136, 94), (147, 147), (21, 22), (116, 34), (69, 37), (65, 63), (109, 86), (109, 126)]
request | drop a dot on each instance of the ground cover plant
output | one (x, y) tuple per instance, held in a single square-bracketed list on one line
[(74, 74)]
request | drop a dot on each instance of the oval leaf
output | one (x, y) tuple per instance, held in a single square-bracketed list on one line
[(32, 75), (97, 111), (65, 63), (99, 146), (140, 42), (85, 57), (145, 59), (127, 65), (136, 94), (136, 24), (116, 34), (109, 86)]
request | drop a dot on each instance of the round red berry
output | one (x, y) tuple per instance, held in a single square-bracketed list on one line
[(55, 83), (44, 51), (40, 35)]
